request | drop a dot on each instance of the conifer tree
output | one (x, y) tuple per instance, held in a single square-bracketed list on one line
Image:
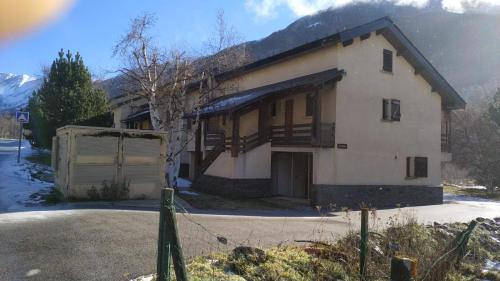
[(67, 97)]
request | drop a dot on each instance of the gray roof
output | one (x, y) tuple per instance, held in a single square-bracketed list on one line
[(384, 26), (235, 102)]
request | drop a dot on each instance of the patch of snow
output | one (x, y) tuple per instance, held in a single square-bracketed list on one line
[(314, 24), (28, 216), (15, 90), (189, 193), (183, 184), (491, 266), (144, 278), (17, 184)]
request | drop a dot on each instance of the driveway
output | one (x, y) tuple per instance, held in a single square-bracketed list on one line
[(120, 244)]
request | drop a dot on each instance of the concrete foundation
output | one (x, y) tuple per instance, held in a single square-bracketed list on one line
[(233, 188), (377, 196)]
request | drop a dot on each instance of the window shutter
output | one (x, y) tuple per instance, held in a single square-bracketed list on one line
[(385, 107), (309, 105), (395, 110), (421, 167), (408, 167), (387, 61)]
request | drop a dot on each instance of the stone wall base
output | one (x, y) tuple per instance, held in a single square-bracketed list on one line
[(233, 188), (376, 196)]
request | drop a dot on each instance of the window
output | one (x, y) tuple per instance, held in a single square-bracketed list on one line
[(309, 105), (387, 61), (416, 167), (391, 109), (273, 109)]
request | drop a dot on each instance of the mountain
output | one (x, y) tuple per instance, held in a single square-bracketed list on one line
[(465, 48), (15, 90)]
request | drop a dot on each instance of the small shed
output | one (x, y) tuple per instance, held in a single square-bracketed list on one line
[(107, 163)]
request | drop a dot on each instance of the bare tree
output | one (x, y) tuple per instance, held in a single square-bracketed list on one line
[(165, 78), (476, 146)]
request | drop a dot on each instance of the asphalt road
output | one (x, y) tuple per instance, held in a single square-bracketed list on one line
[(117, 245), (120, 244)]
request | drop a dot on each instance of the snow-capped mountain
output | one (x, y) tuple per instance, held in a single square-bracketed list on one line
[(15, 90)]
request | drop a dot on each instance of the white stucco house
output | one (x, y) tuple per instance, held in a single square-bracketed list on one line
[(358, 117)]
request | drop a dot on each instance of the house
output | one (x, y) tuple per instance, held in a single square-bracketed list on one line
[(358, 117)]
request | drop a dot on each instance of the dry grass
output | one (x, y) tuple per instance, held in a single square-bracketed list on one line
[(339, 259)]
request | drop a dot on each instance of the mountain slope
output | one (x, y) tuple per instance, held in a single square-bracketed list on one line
[(15, 90), (463, 47)]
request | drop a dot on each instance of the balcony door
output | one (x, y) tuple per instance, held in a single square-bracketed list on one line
[(288, 118)]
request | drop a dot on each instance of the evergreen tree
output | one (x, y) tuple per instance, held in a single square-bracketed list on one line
[(67, 97)]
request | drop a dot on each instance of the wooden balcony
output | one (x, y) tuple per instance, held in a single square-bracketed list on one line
[(303, 135)]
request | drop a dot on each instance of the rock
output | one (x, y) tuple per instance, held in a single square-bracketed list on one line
[(251, 254), (497, 219)]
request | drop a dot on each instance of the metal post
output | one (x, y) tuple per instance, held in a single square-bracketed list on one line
[(363, 243), (168, 240), (163, 260), (19, 144)]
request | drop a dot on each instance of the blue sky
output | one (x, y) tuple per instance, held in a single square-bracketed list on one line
[(92, 27)]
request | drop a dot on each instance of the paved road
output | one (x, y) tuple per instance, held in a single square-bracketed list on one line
[(118, 244)]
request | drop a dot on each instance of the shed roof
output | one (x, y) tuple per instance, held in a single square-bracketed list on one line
[(234, 102)]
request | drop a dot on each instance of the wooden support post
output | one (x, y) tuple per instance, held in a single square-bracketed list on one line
[(363, 243), (169, 244), (197, 151), (403, 269), (316, 120), (235, 143)]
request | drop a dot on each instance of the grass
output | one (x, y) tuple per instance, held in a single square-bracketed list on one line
[(53, 196), (338, 259), (214, 202), (474, 192)]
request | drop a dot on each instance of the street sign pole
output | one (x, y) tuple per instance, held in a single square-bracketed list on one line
[(19, 144), (21, 117)]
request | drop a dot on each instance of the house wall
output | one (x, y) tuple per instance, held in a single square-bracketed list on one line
[(377, 149), (373, 167)]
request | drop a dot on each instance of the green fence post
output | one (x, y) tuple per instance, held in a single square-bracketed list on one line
[(175, 242), (163, 259), (363, 243)]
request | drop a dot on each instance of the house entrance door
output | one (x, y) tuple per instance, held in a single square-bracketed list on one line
[(291, 174)]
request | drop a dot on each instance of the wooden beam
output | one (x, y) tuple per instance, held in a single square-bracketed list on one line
[(348, 42), (235, 142), (365, 36), (316, 119), (197, 150)]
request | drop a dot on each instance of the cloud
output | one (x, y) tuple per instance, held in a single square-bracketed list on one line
[(268, 8), (457, 6)]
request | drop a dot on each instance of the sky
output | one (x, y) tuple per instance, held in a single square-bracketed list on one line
[(92, 27)]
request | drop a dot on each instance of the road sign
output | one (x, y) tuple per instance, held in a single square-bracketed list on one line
[(22, 117)]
